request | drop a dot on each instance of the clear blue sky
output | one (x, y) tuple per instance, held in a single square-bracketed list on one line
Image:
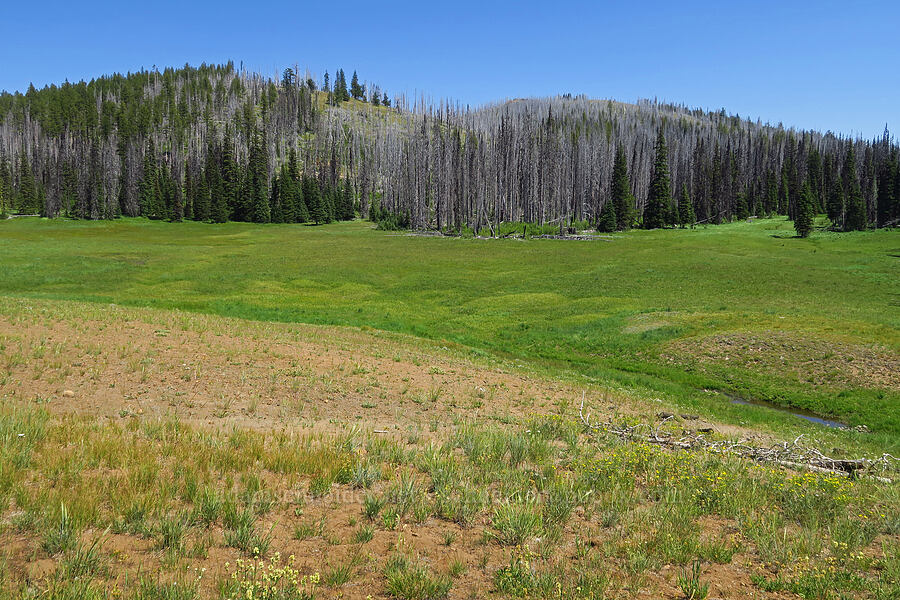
[(811, 64)]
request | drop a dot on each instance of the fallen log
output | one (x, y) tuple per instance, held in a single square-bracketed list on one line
[(793, 455)]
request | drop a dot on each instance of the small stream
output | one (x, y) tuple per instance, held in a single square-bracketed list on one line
[(803, 414)]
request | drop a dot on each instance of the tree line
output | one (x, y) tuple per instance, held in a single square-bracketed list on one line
[(216, 143)]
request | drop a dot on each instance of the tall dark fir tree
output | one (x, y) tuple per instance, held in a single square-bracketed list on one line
[(686, 214), (855, 218), (659, 197), (621, 198), (805, 211)]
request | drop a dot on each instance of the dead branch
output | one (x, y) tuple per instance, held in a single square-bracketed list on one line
[(795, 454)]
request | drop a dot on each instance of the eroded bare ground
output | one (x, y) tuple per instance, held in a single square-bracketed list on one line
[(113, 363), (820, 361), (126, 366)]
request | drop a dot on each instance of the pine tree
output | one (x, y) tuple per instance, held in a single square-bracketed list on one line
[(784, 193), (165, 195), (328, 204), (885, 202), (202, 199), (356, 91), (188, 191), (148, 183), (300, 206), (231, 178), (895, 212), (620, 196), (286, 193), (258, 171), (317, 211), (805, 212), (340, 87), (742, 211), (855, 216), (178, 203), (218, 210), (607, 220), (276, 197), (814, 176), (347, 211), (5, 186), (659, 197), (771, 198), (287, 78), (28, 192), (686, 214)]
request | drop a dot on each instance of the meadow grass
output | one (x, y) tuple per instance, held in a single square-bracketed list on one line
[(817, 533), (628, 313)]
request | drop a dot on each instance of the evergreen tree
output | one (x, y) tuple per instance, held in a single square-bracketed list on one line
[(29, 203), (895, 213), (835, 205), (286, 194), (95, 196), (659, 197), (5, 187), (686, 214), (340, 88), (855, 215), (742, 210), (620, 197), (805, 212), (329, 204), (231, 179), (178, 200), (259, 179), (771, 198), (188, 191), (347, 211), (385, 101), (276, 197), (165, 195), (317, 211), (202, 199), (885, 202), (607, 220), (815, 177), (287, 78), (218, 210), (356, 91), (147, 185), (784, 199), (69, 192)]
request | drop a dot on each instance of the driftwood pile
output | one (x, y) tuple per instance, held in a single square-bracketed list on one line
[(794, 455)]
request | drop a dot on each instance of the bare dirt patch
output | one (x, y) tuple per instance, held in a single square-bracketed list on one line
[(116, 363), (822, 361)]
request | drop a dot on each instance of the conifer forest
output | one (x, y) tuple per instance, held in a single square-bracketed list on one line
[(217, 143)]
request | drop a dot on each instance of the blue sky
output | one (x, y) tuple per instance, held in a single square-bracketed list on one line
[(834, 66)]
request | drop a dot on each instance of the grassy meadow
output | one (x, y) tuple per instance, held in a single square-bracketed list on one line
[(186, 415), (742, 309)]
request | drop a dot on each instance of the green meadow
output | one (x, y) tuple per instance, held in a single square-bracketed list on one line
[(699, 317)]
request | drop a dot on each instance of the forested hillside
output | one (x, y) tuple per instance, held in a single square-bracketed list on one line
[(215, 143)]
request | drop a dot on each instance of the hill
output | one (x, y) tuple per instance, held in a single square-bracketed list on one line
[(213, 143)]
